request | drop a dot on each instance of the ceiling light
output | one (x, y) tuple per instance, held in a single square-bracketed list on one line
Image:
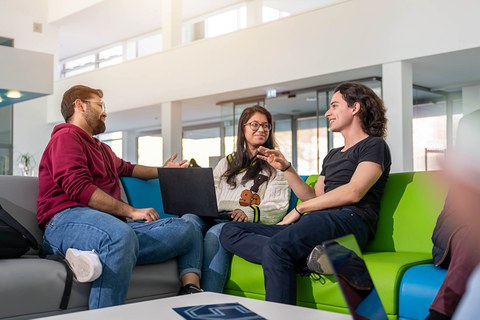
[(13, 94)]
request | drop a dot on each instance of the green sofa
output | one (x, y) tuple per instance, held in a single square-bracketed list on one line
[(410, 206)]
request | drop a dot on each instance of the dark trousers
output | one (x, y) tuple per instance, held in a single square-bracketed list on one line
[(281, 249), (463, 256)]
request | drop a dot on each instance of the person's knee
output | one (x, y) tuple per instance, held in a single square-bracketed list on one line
[(216, 230), (192, 218), (123, 238), (228, 233), (185, 231)]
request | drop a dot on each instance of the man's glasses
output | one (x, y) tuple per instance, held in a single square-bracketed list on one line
[(254, 125), (100, 103)]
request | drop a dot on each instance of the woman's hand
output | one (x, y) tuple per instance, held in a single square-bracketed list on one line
[(274, 157), (170, 163), (290, 218), (238, 215)]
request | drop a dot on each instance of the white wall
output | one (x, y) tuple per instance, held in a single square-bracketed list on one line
[(60, 9), (347, 36), (351, 35), (31, 130)]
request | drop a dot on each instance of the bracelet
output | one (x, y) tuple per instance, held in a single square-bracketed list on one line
[(301, 214), (288, 167)]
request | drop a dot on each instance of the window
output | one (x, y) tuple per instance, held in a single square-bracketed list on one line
[(429, 126), (114, 140), (270, 14), (79, 65), (203, 145), (6, 140), (226, 22), (150, 150), (150, 44), (284, 137), (110, 56)]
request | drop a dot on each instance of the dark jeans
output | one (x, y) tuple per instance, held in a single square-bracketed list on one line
[(281, 249)]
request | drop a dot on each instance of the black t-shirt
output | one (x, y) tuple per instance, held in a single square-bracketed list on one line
[(339, 167)]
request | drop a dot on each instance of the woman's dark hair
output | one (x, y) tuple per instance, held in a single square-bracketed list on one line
[(240, 159), (372, 109)]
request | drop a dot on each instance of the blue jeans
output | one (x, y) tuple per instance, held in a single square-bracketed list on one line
[(283, 249), (216, 260), (120, 246)]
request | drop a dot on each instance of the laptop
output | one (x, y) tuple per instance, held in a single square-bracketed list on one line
[(188, 190), (351, 273)]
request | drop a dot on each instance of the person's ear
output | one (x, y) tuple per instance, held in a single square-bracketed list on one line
[(356, 108), (79, 105)]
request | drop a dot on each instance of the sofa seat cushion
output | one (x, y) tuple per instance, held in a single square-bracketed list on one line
[(33, 287), (418, 288), (386, 268)]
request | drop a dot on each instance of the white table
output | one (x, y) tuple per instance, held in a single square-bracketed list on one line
[(162, 309)]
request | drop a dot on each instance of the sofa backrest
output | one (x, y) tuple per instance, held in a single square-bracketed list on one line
[(18, 196), (409, 209), (144, 194)]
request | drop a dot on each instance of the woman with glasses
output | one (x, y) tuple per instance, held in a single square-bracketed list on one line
[(248, 190)]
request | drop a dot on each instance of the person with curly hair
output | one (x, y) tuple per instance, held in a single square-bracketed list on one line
[(345, 199)]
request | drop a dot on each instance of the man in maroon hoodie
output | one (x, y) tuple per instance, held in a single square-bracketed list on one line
[(80, 207)]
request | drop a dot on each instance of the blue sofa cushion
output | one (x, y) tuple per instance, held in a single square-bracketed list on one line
[(144, 194), (418, 288)]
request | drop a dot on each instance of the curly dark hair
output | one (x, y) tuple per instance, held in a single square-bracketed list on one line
[(372, 109), (240, 159)]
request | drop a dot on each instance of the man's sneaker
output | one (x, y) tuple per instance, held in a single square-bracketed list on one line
[(86, 265), (189, 289), (318, 262)]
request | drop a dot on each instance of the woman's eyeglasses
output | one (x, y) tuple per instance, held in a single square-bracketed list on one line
[(254, 125)]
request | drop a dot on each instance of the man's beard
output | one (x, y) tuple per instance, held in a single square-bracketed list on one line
[(94, 120), (100, 127)]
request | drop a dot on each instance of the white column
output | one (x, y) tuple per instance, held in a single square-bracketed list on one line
[(397, 91), (172, 129), (171, 23), (130, 147), (254, 12), (470, 99)]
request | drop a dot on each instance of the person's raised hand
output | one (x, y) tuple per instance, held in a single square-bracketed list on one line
[(273, 157), (290, 218), (170, 163)]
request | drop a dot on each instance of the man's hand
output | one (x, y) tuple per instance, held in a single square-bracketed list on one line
[(238, 215), (290, 218), (172, 164), (274, 158), (148, 214)]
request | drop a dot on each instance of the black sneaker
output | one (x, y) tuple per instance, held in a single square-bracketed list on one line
[(189, 289)]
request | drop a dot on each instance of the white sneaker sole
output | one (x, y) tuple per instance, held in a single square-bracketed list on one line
[(86, 266)]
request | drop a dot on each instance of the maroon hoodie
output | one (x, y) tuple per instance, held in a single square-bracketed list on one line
[(73, 165)]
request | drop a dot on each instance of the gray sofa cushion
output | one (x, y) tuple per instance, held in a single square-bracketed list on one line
[(31, 287)]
